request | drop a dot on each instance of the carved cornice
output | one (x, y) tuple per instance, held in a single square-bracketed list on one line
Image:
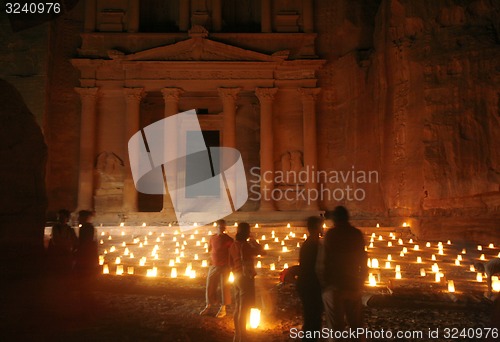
[(228, 93), (309, 94), (134, 94), (87, 93), (265, 94), (171, 94)]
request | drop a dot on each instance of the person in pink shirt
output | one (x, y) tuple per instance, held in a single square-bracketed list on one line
[(218, 273)]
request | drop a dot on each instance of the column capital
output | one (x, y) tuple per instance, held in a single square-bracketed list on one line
[(87, 93), (171, 94), (228, 93), (265, 94), (310, 94), (132, 94)]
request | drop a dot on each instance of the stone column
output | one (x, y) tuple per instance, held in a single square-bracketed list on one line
[(309, 96), (171, 97), (307, 16), (184, 14), (88, 98), (133, 15), (133, 97), (265, 16), (266, 97), (90, 15), (228, 97), (216, 15)]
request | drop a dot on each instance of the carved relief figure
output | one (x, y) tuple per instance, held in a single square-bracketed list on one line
[(110, 169)]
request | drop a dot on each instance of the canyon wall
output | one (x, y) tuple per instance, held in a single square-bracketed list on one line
[(412, 89)]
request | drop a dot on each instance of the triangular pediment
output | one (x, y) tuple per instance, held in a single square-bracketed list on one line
[(199, 49)]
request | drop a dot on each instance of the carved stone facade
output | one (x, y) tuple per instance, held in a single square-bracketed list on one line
[(214, 73)]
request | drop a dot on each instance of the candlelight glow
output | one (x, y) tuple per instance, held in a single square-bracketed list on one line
[(398, 275), (254, 318), (284, 249), (495, 283), (491, 245), (438, 277), (204, 263), (119, 270), (482, 257), (451, 286), (479, 277), (388, 264), (152, 272), (371, 280), (428, 244), (130, 270), (422, 272), (259, 264), (105, 269), (472, 268), (266, 247), (479, 247), (375, 263), (419, 260), (272, 267), (231, 277), (285, 266)]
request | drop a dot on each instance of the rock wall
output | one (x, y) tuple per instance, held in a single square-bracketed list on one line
[(412, 90)]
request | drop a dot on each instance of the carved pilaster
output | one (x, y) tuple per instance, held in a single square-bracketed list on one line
[(309, 97), (266, 97), (133, 97), (229, 97), (88, 98)]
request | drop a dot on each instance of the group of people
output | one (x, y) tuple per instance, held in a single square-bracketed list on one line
[(237, 256), (70, 255), (332, 272), (330, 279)]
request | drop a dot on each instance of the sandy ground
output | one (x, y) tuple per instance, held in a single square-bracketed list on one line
[(135, 308)]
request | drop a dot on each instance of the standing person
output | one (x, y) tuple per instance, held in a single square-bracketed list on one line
[(241, 259), (491, 268), (62, 245), (308, 284), (87, 258), (218, 273), (342, 268)]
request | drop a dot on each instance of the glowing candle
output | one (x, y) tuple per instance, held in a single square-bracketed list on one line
[(479, 247), (479, 277), (196, 257), (266, 247), (231, 277), (416, 247), (459, 257), (130, 270), (404, 224), (411, 241), (371, 245), (101, 260), (464, 251), (433, 257), (119, 270), (263, 237), (144, 224), (122, 224), (204, 263), (435, 268), (378, 225), (398, 275), (388, 264), (398, 268), (298, 244), (380, 238), (371, 280), (400, 241), (472, 268), (272, 267), (402, 254), (152, 272), (457, 262), (259, 264), (178, 260), (375, 263), (105, 269), (283, 242), (126, 252), (284, 249), (428, 244), (491, 245), (254, 318), (451, 286), (124, 244), (448, 242), (288, 225), (112, 249), (276, 239), (389, 257), (285, 266), (118, 260), (131, 255), (192, 274), (256, 225), (495, 284), (482, 257), (422, 272), (304, 236), (181, 255), (438, 277), (389, 244), (369, 262), (419, 260)]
